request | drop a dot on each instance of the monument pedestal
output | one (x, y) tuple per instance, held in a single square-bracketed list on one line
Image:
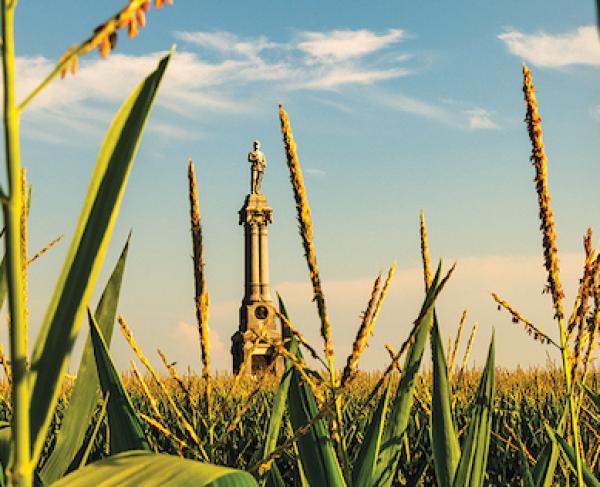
[(256, 314)]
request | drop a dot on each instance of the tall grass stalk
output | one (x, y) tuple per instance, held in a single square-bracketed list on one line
[(306, 234), (20, 472), (363, 333), (425, 251), (201, 294), (452, 353), (530, 328), (580, 307), (104, 38), (183, 421), (554, 287)]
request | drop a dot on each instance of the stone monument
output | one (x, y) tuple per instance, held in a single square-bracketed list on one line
[(256, 312)]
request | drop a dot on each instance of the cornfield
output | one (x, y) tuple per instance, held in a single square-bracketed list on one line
[(333, 425), (525, 400)]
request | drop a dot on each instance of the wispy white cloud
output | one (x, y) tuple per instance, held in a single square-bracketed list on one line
[(313, 171), (338, 77), (342, 107), (314, 61), (580, 46), (595, 112), (219, 73), (418, 107), (480, 118), (227, 43), (173, 131), (451, 114), (341, 45)]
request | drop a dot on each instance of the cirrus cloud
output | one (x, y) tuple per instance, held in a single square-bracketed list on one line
[(339, 45), (580, 46)]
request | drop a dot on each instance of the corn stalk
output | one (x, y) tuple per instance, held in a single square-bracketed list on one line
[(21, 470)]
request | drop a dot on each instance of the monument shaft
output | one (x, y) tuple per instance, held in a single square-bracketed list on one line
[(256, 313)]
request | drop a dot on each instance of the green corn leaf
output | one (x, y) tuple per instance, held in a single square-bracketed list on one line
[(594, 396), (126, 432), (545, 466), (527, 477), (274, 478), (391, 448), (279, 404), (319, 461), (473, 459), (136, 468), (446, 449), (86, 254), (85, 393), (89, 444), (364, 470), (588, 477)]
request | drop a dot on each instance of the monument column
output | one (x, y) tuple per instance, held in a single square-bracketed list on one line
[(256, 313), (255, 275), (265, 292)]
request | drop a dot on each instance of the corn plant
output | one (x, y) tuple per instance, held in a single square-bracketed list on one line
[(36, 383)]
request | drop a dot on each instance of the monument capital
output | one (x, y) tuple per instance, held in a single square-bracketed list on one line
[(256, 210)]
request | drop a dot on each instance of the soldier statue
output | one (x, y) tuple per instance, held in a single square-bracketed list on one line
[(258, 161)]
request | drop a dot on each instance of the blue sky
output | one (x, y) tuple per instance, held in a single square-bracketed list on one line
[(395, 107)]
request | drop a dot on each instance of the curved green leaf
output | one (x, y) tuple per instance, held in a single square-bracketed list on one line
[(446, 450), (126, 432), (588, 477), (85, 393), (86, 253), (545, 466), (319, 461), (133, 469), (395, 428), (473, 460), (364, 470), (279, 404)]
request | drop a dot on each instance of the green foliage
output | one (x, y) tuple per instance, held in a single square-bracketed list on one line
[(364, 470), (84, 259), (319, 460), (126, 432), (474, 455), (135, 468), (588, 477), (279, 405), (85, 394), (395, 428), (446, 450)]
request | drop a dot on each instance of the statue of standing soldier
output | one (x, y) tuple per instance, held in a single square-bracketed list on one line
[(258, 161)]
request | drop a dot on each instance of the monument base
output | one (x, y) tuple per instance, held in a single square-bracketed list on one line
[(261, 359)]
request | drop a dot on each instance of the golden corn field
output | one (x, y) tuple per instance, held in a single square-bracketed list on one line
[(525, 400), (418, 422)]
